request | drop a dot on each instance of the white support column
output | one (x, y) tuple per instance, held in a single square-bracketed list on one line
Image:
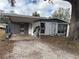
[(68, 26), (56, 28)]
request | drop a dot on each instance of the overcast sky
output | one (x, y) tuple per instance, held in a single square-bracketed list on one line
[(27, 7)]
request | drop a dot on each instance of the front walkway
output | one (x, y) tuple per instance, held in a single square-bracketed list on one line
[(32, 49)]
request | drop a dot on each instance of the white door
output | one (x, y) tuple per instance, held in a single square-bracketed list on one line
[(52, 28)]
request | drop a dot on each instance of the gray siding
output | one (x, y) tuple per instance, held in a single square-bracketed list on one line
[(15, 28)]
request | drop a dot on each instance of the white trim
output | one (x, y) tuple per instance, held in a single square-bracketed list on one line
[(56, 28), (67, 30)]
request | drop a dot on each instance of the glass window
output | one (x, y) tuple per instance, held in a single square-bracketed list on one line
[(42, 27), (42, 31), (62, 28)]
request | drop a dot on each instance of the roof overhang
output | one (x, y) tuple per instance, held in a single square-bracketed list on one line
[(23, 18), (28, 19)]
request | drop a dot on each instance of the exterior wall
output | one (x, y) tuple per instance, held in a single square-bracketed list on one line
[(15, 28), (32, 26), (50, 28)]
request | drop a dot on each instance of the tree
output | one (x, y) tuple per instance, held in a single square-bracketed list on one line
[(3, 19), (74, 25), (36, 14), (12, 2), (62, 14)]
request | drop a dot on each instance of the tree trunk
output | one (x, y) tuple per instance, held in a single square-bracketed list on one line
[(74, 28)]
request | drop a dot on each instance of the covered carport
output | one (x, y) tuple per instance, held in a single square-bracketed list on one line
[(19, 24)]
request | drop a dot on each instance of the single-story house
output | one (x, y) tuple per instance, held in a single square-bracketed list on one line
[(21, 24)]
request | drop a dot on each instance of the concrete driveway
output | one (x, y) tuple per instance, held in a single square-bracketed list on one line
[(32, 49)]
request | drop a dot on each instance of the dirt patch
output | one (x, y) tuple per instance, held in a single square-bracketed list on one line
[(34, 49), (63, 43)]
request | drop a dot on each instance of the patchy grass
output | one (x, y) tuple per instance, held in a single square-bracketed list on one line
[(2, 34), (63, 43)]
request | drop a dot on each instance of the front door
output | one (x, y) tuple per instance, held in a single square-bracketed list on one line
[(24, 28), (52, 29), (21, 28)]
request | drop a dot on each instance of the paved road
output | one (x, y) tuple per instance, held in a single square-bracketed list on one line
[(33, 49)]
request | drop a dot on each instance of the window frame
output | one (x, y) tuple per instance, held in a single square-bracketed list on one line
[(64, 31), (42, 28)]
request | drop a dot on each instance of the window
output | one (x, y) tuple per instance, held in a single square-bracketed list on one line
[(42, 30), (62, 28), (42, 27)]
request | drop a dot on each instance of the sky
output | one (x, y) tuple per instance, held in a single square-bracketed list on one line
[(27, 7)]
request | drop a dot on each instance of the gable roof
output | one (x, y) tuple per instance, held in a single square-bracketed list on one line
[(53, 20)]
